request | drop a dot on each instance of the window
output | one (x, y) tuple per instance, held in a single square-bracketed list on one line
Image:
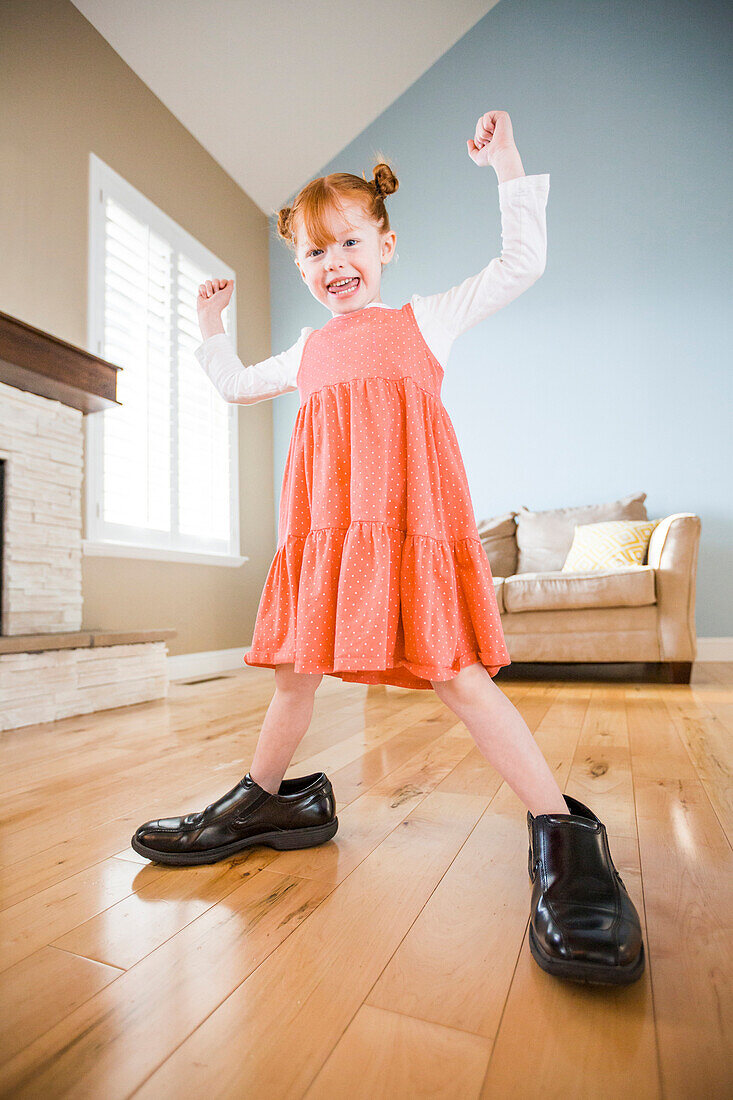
[(161, 469)]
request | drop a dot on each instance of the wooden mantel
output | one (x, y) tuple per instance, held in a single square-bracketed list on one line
[(33, 360)]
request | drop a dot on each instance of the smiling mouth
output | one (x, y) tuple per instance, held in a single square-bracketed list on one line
[(340, 287)]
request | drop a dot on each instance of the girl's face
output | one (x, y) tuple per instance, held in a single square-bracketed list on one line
[(357, 253)]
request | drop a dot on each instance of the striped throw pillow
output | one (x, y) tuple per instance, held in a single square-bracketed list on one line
[(610, 545)]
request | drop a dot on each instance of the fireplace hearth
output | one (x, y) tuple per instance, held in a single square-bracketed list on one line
[(50, 666)]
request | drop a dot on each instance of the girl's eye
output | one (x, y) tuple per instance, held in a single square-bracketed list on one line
[(314, 250)]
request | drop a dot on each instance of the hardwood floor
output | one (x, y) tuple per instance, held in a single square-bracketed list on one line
[(392, 961)]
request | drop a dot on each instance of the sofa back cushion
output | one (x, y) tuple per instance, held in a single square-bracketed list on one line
[(544, 538), (499, 539)]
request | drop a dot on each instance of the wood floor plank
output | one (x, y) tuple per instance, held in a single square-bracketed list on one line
[(574, 1040), (33, 923), (232, 717), (314, 984), (364, 823), (43, 989), (687, 872), (600, 775), (392, 961), (139, 787), (585, 1040), (720, 671), (380, 730), (455, 965), (29, 826), (64, 858), (357, 776), (70, 855), (709, 743), (112, 1042), (392, 1056), (127, 931)]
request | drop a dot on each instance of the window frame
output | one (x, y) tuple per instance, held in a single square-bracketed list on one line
[(103, 538)]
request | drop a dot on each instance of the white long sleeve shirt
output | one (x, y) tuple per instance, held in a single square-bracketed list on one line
[(440, 317)]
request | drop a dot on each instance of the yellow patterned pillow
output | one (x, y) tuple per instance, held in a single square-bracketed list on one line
[(610, 545)]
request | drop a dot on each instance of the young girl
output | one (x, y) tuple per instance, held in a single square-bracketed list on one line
[(379, 574)]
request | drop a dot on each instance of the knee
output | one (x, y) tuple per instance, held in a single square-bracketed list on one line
[(449, 693), (464, 689), (300, 684)]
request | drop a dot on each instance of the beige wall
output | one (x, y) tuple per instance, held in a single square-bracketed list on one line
[(64, 93)]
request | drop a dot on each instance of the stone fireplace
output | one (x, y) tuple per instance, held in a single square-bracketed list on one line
[(50, 667)]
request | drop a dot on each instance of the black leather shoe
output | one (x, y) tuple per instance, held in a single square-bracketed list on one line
[(583, 924), (300, 815)]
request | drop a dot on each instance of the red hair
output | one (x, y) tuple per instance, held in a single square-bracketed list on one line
[(326, 193)]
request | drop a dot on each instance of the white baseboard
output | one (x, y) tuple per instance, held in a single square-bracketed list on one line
[(186, 665), (714, 649)]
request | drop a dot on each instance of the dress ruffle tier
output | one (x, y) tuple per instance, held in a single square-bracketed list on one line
[(408, 609), (380, 576)]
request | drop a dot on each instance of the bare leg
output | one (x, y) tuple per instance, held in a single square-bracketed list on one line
[(287, 719), (503, 737)]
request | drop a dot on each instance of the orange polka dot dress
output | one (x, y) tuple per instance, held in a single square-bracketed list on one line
[(379, 575)]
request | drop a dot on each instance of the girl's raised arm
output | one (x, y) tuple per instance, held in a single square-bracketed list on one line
[(442, 317), (243, 385), (236, 383), (522, 199)]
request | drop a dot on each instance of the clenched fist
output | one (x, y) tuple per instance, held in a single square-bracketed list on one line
[(213, 298), (493, 137), (214, 295)]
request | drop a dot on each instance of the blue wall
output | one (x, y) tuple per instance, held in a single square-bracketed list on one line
[(613, 372)]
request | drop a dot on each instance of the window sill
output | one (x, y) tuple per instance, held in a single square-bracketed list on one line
[(126, 550)]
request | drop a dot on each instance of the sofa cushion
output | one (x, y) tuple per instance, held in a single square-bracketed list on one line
[(544, 538), (629, 587), (499, 593), (610, 545), (499, 539)]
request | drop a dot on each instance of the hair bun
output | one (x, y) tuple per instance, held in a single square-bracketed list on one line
[(385, 182), (283, 222)]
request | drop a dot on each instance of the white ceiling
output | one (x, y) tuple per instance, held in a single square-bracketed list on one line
[(274, 90)]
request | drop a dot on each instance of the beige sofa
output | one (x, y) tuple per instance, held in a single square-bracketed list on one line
[(643, 614)]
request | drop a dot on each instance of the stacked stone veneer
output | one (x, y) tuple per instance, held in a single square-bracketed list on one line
[(57, 683), (42, 445)]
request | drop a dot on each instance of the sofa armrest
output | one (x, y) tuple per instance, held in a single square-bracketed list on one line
[(673, 550)]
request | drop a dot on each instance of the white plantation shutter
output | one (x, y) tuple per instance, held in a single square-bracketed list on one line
[(203, 435), (137, 336), (164, 461)]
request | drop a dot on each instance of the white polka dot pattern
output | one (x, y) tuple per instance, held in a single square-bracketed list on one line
[(379, 575)]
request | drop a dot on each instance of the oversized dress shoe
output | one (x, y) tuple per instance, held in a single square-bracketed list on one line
[(583, 924), (300, 815)]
